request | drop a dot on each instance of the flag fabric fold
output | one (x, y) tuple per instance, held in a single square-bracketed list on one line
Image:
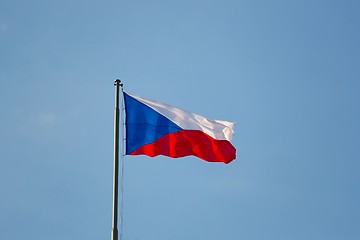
[(154, 128)]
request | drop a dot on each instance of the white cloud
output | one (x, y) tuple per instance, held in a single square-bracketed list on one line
[(3, 28), (41, 123), (46, 118)]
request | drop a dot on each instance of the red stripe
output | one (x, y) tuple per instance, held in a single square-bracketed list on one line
[(190, 142)]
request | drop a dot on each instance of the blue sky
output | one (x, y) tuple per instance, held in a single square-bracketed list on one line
[(287, 72)]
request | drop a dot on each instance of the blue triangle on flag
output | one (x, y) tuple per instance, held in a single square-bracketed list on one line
[(144, 125)]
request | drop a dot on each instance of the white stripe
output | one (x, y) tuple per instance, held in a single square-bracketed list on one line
[(218, 129)]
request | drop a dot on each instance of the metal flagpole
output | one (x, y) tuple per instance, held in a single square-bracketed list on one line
[(114, 231)]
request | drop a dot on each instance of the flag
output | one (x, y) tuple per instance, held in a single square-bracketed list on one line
[(154, 128)]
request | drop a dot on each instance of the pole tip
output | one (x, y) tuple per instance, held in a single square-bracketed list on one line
[(118, 82)]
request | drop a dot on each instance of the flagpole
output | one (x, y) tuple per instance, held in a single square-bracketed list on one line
[(114, 230)]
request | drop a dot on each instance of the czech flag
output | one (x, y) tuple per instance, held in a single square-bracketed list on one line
[(154, 128)]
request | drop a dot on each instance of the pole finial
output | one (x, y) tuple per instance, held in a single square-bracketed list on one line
[(118, 83)]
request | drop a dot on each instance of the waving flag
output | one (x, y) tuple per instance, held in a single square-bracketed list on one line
[(154, 128)]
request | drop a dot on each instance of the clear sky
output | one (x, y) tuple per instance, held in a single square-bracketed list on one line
[(287, 72)]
